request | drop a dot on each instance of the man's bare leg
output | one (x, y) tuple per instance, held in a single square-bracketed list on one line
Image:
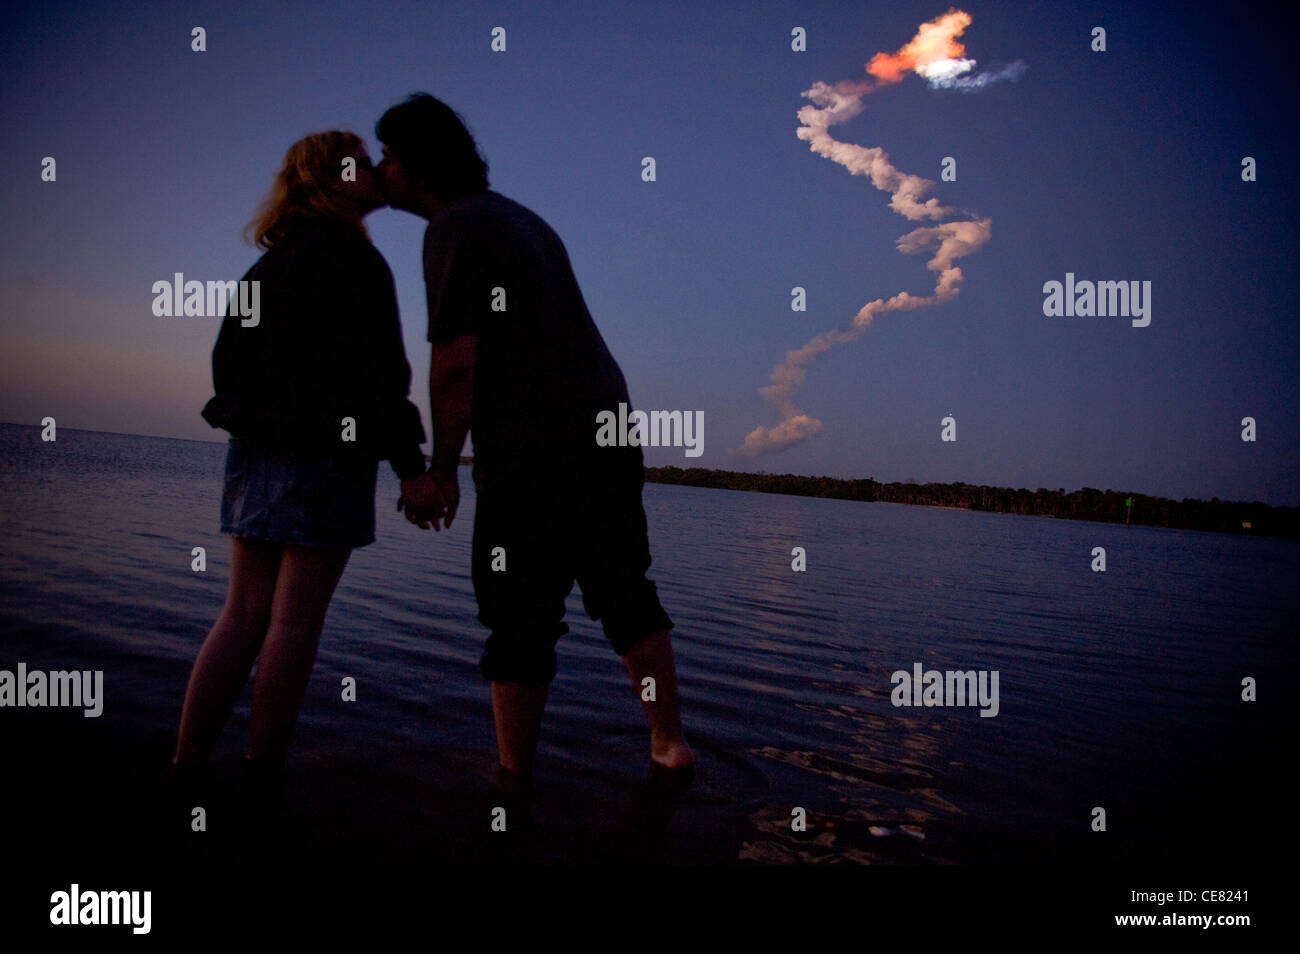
[(517, 711), (653, 657)]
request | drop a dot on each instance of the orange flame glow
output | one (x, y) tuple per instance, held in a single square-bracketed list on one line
[(933, 41)]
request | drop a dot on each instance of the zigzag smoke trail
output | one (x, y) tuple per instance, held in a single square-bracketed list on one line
[(935, 55)]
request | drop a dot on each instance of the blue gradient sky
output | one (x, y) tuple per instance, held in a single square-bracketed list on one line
[(1115, 166)]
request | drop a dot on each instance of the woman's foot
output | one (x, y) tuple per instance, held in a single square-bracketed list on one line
[(262, 795), (189, 780), (185, 786)]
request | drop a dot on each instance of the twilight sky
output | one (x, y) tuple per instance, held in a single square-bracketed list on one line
[(1120, 165)]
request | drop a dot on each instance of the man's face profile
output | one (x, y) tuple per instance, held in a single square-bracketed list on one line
[(395, 183)]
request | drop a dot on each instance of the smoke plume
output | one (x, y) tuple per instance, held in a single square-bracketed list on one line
[(935, 55)]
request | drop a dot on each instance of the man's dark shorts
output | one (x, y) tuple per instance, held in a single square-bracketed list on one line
[(591, 528)]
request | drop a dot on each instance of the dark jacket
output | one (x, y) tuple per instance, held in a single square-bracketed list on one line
[(327, 345)]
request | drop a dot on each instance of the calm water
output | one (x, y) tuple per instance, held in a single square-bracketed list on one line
[(1118, 689)]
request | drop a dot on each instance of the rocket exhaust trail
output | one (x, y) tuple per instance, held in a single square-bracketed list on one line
[(934, 54)]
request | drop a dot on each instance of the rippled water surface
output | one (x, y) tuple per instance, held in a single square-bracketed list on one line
[(1119, 689)]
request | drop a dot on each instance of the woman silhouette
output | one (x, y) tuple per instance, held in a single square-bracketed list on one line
[(314, 394)]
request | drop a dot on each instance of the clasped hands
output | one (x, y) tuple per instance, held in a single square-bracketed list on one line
[(430, 498)]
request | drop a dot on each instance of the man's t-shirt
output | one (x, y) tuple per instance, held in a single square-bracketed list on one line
[(496, 270)]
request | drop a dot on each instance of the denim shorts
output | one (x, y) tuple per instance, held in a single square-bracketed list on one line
[(304, 498)]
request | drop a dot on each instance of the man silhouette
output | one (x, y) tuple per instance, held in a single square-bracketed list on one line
[(517, 359)]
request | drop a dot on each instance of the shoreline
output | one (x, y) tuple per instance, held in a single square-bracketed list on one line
[(1086, 504)]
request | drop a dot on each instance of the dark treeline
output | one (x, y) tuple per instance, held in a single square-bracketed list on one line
[(1087, 504)]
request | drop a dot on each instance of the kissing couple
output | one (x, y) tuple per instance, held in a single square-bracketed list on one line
[(316, 394)]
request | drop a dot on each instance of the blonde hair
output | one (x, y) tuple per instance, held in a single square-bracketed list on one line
[(306, 185)]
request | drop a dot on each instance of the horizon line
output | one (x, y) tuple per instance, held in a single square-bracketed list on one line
[(469, 459)]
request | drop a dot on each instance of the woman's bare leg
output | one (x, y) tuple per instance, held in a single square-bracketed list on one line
[(227, 655), (303, 589)]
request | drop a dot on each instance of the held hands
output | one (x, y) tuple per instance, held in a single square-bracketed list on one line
[(448, 487), (430, 498), (422, 501)]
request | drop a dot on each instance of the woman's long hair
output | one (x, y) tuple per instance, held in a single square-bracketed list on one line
[(306, 185)]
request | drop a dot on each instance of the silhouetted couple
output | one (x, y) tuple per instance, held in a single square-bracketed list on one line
[(316, 394)]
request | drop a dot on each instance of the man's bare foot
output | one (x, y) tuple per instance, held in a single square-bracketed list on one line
[(671, 753), (507, 782)]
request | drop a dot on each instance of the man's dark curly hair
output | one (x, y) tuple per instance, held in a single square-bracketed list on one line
[(433, 143)]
